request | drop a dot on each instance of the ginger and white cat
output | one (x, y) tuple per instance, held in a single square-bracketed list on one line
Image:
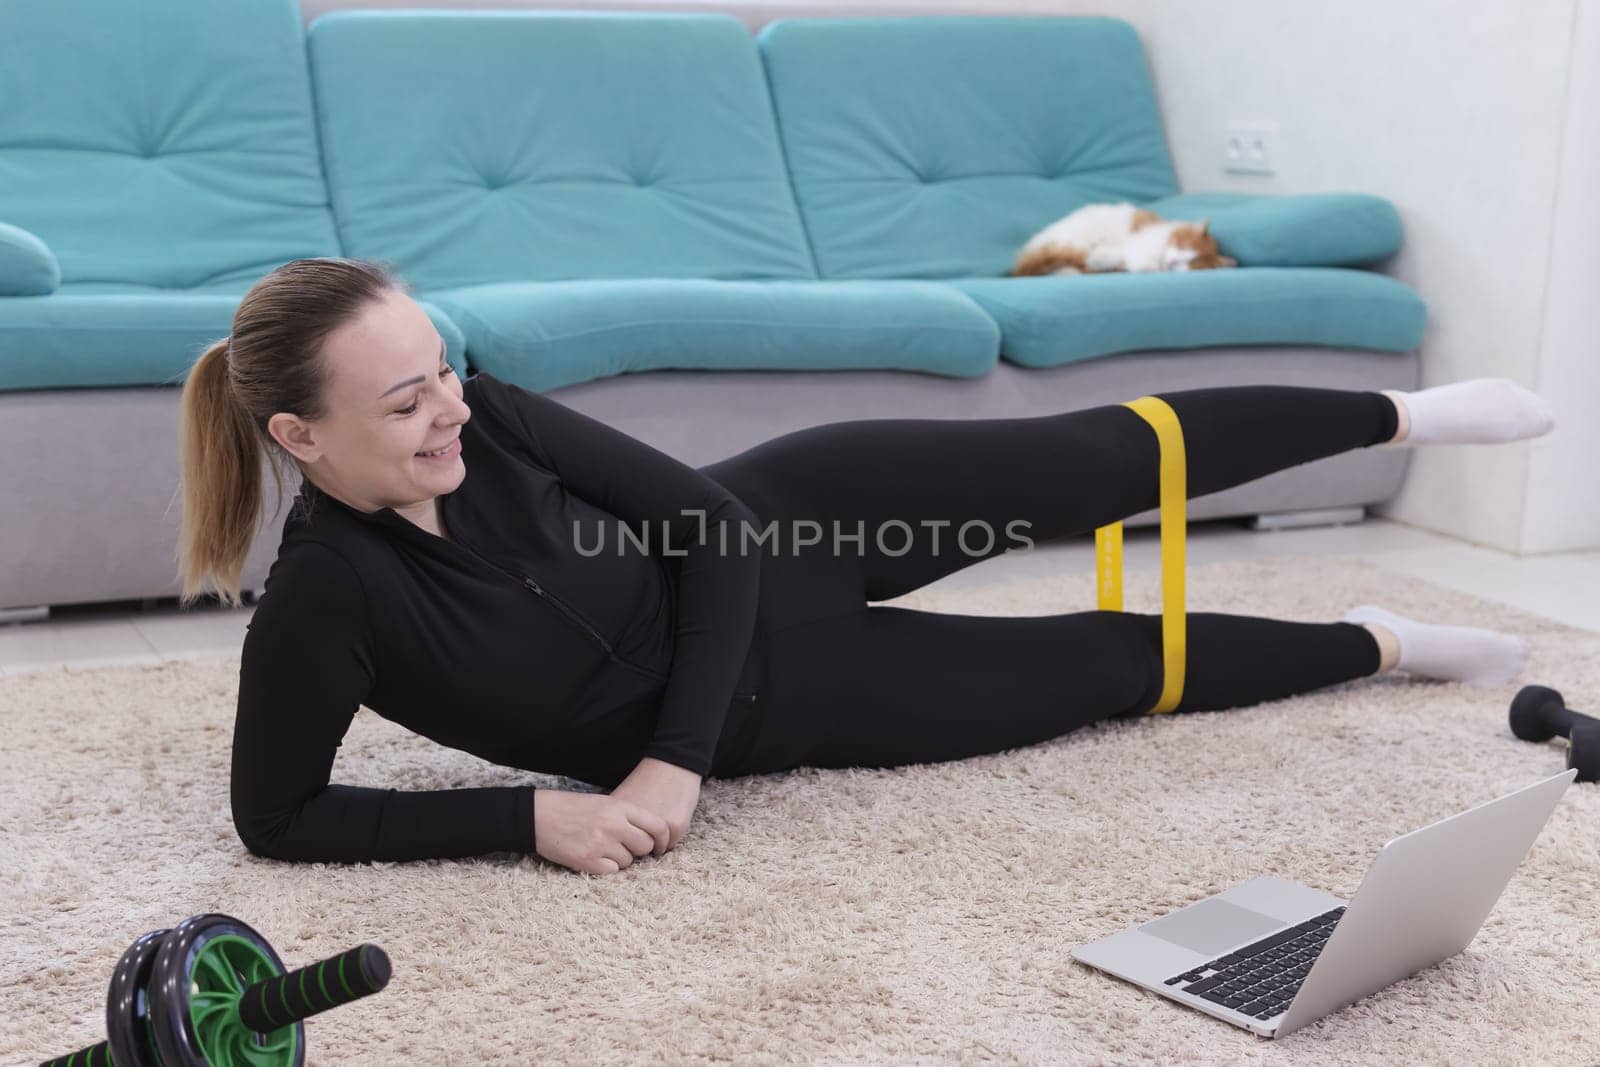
[(1098, 238)]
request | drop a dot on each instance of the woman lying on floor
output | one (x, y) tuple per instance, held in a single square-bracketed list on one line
[(504, 575)]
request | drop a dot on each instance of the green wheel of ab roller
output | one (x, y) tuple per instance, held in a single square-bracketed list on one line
[(200, 974), (211, 992)]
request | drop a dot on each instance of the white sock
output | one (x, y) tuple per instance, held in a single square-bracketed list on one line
[(1476, 411), (1467, 654)]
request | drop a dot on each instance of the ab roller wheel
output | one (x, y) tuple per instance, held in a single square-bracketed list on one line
[(129, 1039), (211, 992), (1538, 713)]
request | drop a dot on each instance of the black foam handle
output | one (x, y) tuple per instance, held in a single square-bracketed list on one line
[(289, 998), (93, 1056)]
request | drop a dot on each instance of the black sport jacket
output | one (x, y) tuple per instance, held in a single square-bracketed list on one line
[(512, 639)]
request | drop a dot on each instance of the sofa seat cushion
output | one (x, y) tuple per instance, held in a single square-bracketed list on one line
[(933, 147), (27, 266), (543, 335), (476, 147), (1308, 230), (99, 335), (1049, 320)]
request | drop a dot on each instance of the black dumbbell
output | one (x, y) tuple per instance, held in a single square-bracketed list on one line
[(212, 992), (1538, 713)]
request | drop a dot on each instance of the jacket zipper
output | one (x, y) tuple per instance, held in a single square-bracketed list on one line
[(580, 621), (584, 623), (745, 695), (549, 595)]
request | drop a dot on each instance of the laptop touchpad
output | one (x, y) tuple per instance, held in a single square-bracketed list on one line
[(1211, 926)]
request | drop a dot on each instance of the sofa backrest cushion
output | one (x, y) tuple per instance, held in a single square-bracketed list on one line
[(164, 144), (486, 146), (934, 146)]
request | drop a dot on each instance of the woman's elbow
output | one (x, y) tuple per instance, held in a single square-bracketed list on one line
[(257, 838), (267, 836), (275, 839)]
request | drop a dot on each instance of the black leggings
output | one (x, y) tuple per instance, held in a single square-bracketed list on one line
[(847, 683)]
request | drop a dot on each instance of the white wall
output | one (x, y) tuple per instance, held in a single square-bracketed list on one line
[(1459, 114), (1563, 504), (1478, 121)]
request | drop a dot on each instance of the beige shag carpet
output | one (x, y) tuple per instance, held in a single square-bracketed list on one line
[(918, 914)]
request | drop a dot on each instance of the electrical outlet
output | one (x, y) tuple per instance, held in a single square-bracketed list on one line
[(1250, 147)]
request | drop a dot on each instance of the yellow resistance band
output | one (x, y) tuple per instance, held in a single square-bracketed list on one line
[(1108, 548)]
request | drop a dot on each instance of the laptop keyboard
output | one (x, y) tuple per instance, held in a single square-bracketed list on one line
[(1262, 978)]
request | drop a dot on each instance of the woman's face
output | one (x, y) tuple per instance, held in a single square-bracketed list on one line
[(391, 396)]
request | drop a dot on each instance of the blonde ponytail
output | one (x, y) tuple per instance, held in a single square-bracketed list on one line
[(270, 363), (219, 452)]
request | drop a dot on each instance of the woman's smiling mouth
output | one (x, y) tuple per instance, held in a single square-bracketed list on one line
[(451, 449)]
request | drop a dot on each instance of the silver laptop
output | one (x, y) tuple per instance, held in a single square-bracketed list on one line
[(1271, 955)]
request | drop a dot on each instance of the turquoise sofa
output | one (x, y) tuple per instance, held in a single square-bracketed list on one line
[(701, 235)]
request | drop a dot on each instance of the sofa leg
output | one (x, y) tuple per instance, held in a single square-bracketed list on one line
[(1286, 520), (38, 614)]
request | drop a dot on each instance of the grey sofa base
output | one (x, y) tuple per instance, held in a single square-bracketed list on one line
[(91, 488)]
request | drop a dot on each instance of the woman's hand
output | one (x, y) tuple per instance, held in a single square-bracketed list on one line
[(666, 790), (595, 833)]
